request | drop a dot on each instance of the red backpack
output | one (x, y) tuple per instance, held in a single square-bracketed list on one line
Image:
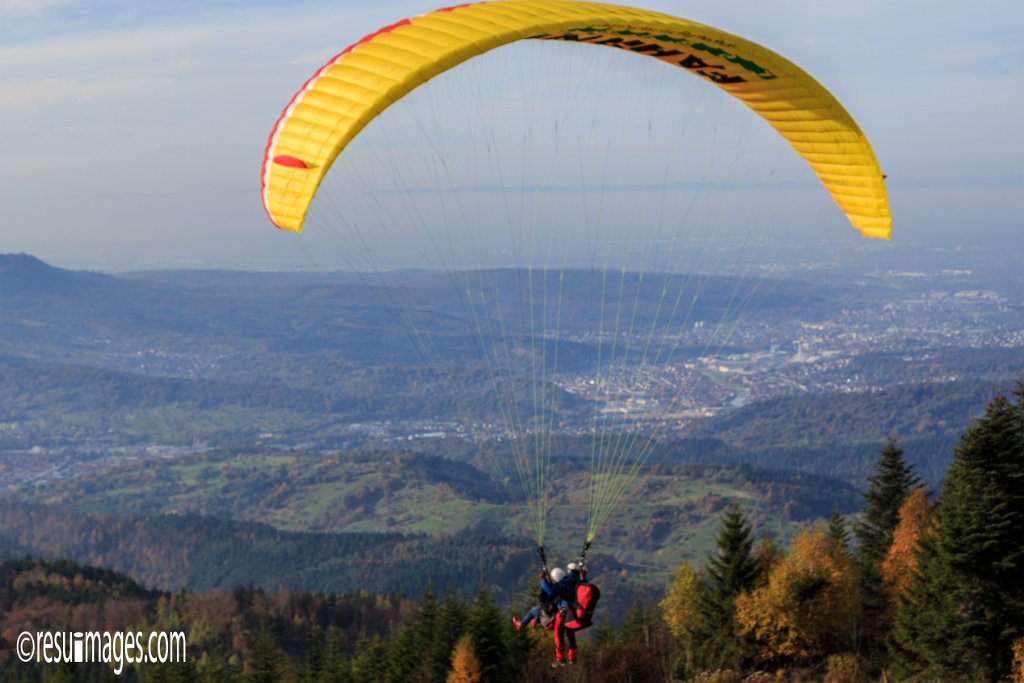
[(587, 595)]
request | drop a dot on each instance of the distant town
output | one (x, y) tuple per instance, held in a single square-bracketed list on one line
[(941, 327)]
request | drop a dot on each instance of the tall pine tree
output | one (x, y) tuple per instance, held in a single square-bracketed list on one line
[(314, 654), (888, 486), (370, 662), (450, 626), (334, 668), (965, 607), (269, 664), (486, 626), (403, 654), (409, 657), (730, 570), (426, 626), (837, 531)]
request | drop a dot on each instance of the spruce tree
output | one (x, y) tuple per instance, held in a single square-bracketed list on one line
[(486, 626), (268, 662), (888, 486), (334, 668), (425, 627), (409, 657), (314, 654), (450, 626), (837, 530), (370, 662), (730, 570), (965, 606), (403, 657)]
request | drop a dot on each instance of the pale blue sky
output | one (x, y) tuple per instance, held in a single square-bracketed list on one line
[(132, 132)]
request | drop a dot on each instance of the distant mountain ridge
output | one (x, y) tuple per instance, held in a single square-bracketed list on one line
[(23, 272)]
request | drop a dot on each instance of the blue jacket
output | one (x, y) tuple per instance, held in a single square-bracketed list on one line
[(564, 591)]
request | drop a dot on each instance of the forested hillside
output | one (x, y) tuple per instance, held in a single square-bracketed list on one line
[(172, 552), (917, 588), (910, 412), (169, 523)]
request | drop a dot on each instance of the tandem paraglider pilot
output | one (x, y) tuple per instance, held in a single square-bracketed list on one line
[(565, 604), (575, 613)]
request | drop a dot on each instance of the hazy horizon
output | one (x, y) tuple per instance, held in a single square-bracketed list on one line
[(133, 133)]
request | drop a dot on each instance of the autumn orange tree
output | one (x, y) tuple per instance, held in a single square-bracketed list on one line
[(888, 486), (1017, 675), (901, 562), (809, 606), (465, 665)]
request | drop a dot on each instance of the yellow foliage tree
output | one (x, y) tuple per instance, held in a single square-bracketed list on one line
[(680, 609), (679, 606), (1017, 675), (465, 665), (900, 563), (809, 606)]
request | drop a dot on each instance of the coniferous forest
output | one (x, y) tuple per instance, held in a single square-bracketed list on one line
[(918, 586)]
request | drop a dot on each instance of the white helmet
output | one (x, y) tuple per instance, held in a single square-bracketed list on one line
[(573, 567), (557, 574)]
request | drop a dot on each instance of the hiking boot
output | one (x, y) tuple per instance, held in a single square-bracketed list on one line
[(516, 623)]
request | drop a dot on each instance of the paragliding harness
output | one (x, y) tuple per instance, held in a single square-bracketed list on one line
[(546, 602), (580, 612), (577, 615)]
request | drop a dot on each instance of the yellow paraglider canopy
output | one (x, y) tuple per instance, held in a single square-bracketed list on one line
[(368, 76)]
